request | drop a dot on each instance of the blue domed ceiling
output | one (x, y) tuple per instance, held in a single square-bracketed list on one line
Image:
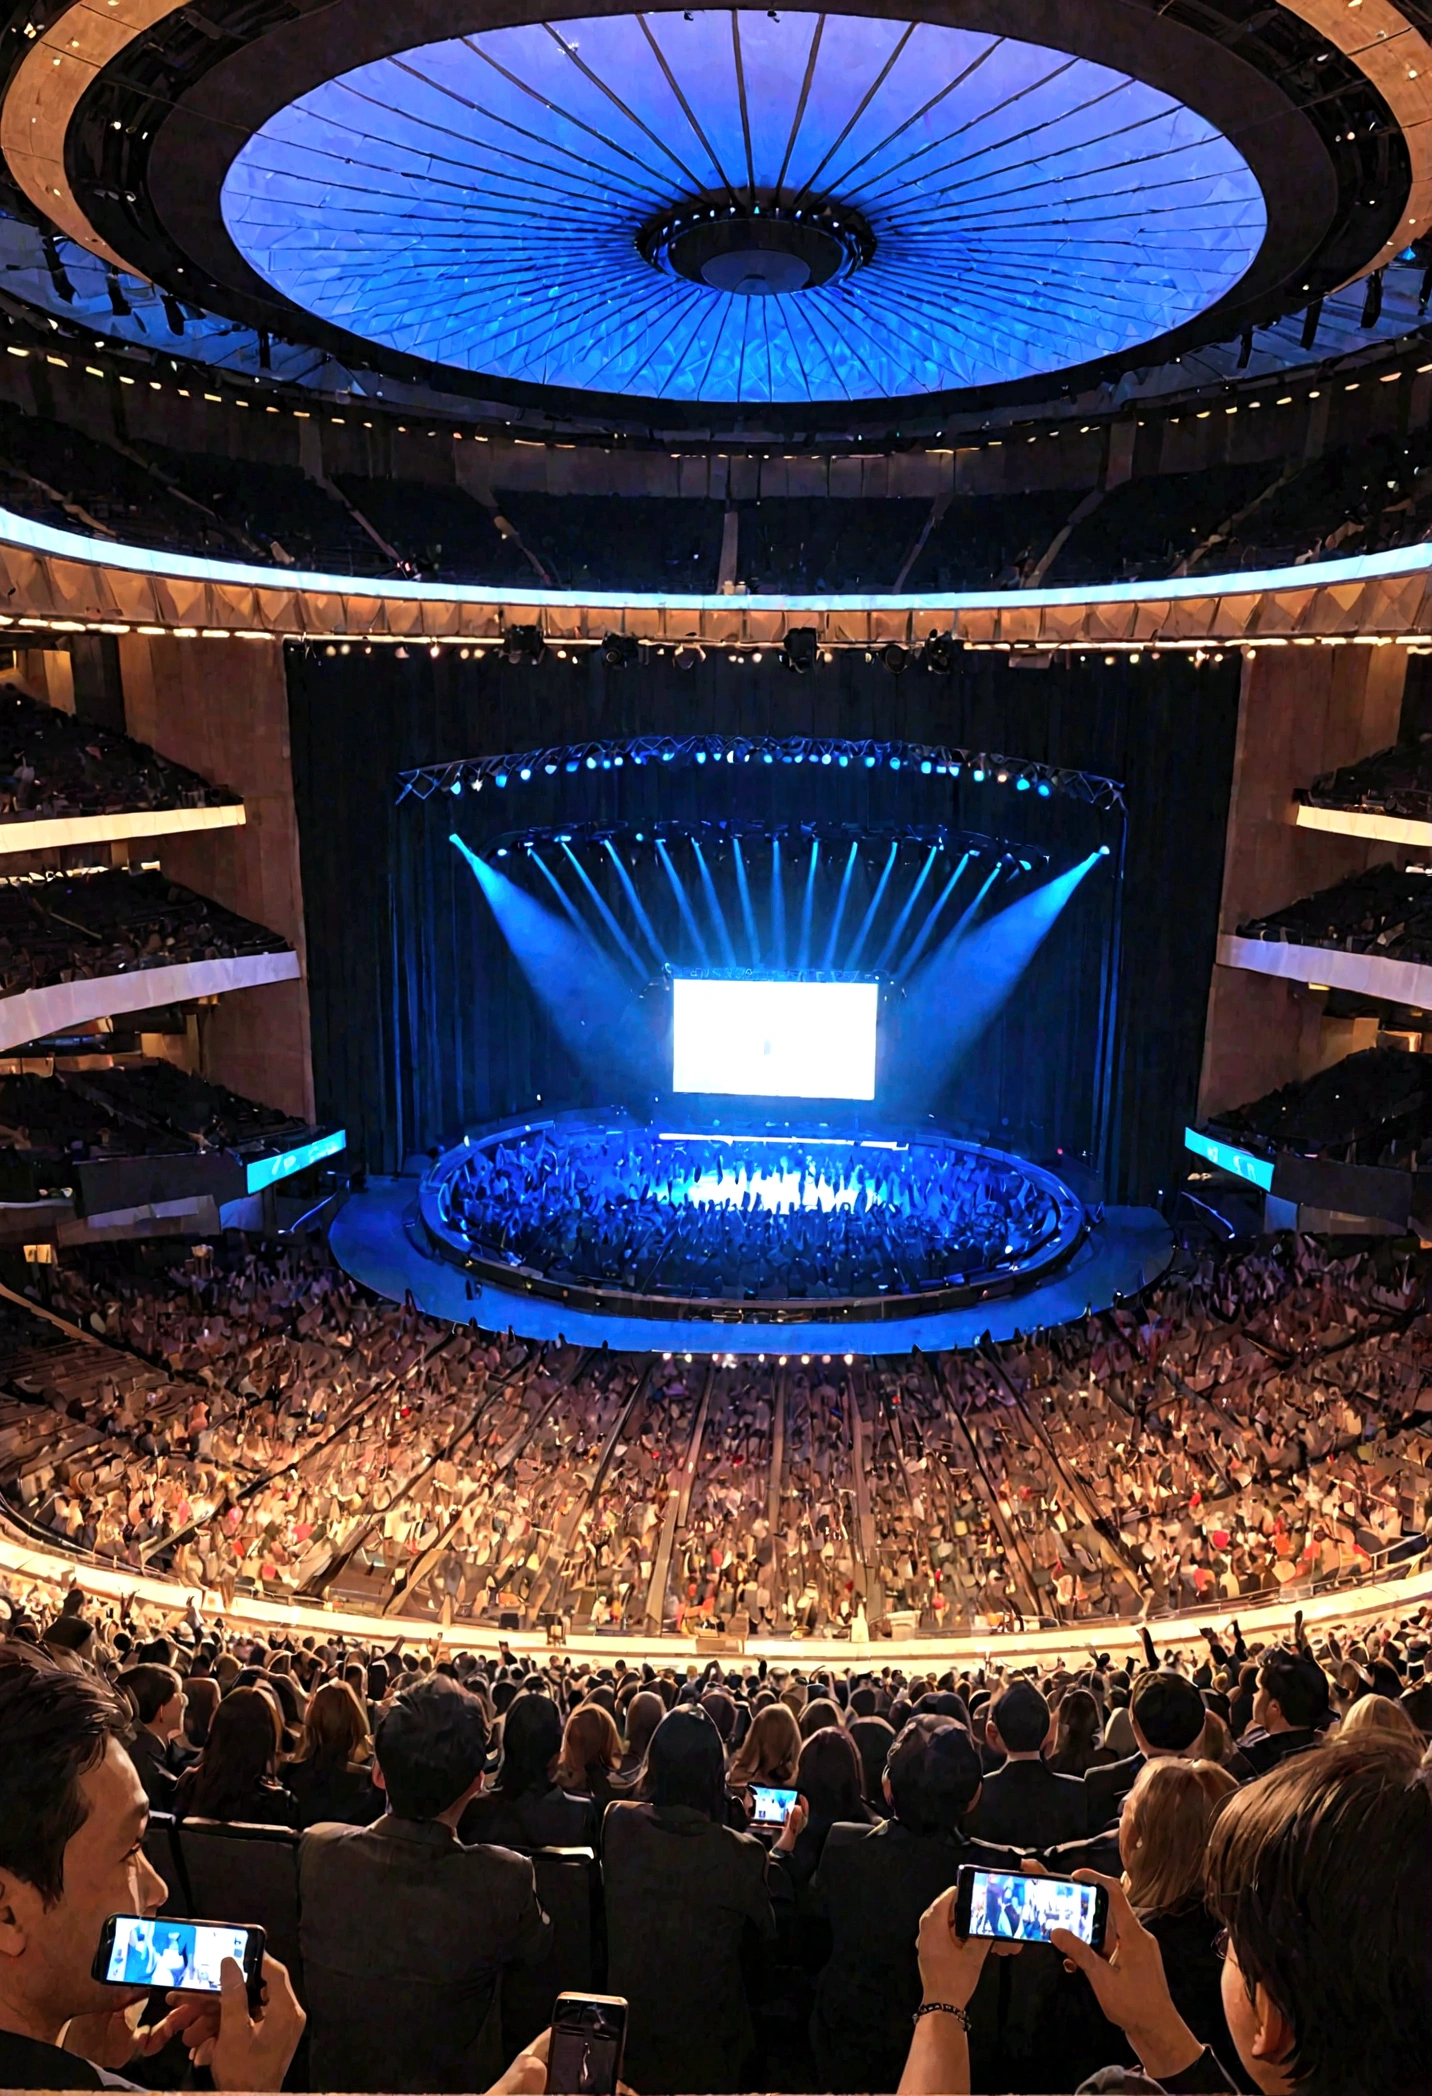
[(745, 207)]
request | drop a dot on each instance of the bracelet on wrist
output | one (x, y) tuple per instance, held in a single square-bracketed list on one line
[(943, 2008)]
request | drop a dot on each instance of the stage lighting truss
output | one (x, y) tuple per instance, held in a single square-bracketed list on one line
[(632, 839), (930, 760)]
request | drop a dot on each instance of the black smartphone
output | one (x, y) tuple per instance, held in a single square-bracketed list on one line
[(1013, 1908), (137, 1950), (588, 2040)]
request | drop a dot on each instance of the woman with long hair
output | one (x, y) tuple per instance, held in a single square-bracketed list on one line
[(591, 1753), (770, 1750), (234, 1778), (644, 1713), (330, 1776), (683, 1891), (527, 1808), (1076, 1735), (1163, 1841), (829, 1781), (1378, 1722)]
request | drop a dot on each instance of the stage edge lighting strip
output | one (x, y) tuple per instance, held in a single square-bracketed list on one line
[(1255, 1171), (48, 541)]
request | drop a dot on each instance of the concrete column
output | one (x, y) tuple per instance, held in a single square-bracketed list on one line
[(221, 707), (1302, 711)]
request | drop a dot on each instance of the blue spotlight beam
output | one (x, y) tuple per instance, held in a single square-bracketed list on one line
[(578, 920), (965, 984), (873, 905), (688, 915), (807, 904), (748, 914), (778, 906), (604, 911), (935, 761), (897, 929), (922, 937), (851, 856), (638, 909), (713, 904)]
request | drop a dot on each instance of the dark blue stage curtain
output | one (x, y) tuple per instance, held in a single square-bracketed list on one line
[(423, 1024)]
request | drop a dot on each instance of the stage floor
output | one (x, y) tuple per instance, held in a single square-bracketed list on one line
[(1122, 1254)]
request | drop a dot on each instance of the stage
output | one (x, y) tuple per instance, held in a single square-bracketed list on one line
[(376, 1238)]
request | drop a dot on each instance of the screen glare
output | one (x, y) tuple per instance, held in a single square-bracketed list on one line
[(774, 1040)]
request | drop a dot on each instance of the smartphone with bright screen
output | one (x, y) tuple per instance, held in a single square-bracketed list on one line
[(137, 1950), (769, 1806), (584, 2057), (1012, 1908)]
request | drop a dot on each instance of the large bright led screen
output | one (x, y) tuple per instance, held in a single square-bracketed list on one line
[(774, 1040)]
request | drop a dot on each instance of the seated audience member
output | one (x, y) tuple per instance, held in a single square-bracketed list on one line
[(1378, 1721), (72, 1820), (405, 1931), (157, 1697), (234, 1778), (201, 1700), (591, 1753), (770, 1751), (1077, 1730), (644, 1713), (331, 1778), (830, 1783), (874, 1737), (1166, 1716), (1321, 1878), (683, 1893), (1024, 1804), (874, 1883), (818, 1716), (1291, 1708), (527, 1808), (1163, 1843)]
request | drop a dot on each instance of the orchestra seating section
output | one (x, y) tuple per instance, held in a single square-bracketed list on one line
[(52, 765), (1385, 912), (110, 921)]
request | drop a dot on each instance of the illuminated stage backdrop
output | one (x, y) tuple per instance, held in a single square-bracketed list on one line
[(745, 206)]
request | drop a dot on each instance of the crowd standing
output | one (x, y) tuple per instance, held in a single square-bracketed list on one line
[(726, 1217)]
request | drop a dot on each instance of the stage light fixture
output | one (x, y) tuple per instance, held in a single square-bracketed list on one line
[(1103, 851), (1044, 789), (978, 776), (938, 653), (895, 658), (1021, 784), (620, 651), (501, 779), (799, 649), (456, 786), (524, 774), (687, 658)]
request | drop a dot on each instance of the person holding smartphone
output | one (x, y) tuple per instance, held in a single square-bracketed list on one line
[(73, 1815)]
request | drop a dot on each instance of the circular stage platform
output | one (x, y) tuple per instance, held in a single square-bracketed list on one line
[(595, 1230), (771, 1222)]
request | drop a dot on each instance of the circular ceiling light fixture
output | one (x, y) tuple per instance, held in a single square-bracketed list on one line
[(745, 207)]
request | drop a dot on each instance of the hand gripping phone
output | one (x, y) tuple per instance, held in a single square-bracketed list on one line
[(137, 1950)]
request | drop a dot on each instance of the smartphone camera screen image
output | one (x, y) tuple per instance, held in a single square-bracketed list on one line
[(769, 1805), (588, 2039), (1016, 1909), (140, 1952)]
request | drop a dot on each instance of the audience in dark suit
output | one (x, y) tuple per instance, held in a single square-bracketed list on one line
[(405, 1929), (684, 1892), (1024, 1803), (527, 1808), (1167, 1715)]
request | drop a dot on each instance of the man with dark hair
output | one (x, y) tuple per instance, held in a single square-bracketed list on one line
[(1321, 1874), (72, 1821), (1290, 1707), (1167, 1715), (405, 1930), (874, 1883), (1025, 1803), (157, 1696)]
